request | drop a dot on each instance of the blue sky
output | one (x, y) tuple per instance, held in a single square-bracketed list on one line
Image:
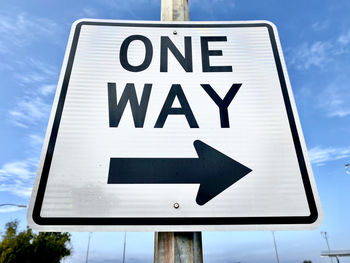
[(315, 37)]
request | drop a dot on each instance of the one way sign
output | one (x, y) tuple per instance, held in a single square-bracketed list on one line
[(174, 126)]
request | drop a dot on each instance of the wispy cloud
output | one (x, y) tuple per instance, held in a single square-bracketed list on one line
[(30, 77), (19, 169), (206, 7), (7, 209), (4, 49), (321, 25), (17, 177), (319, 53), (90, 12), (21, 30), (319, 155), (29, 111), (33, 108), (329, 99), (32, 70), (228, 4), (124, 7), (17, 32), (334, 99), (344, 39), (36, 140), (47, 89), (315, 54)]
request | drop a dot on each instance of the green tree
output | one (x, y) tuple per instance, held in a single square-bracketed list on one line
[(29, 247)]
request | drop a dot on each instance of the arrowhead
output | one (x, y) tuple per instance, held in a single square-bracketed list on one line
[(219, 172)]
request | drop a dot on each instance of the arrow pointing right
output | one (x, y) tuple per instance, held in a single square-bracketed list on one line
[(213, 170)]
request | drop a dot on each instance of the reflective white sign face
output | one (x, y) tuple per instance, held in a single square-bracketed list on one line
[(174, 126)]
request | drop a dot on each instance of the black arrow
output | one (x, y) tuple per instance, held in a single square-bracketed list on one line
[(213, 170)]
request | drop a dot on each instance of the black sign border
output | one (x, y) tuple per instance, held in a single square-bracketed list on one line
[(148, 221)]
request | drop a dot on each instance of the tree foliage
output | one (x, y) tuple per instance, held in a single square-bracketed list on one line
[(29, 247), (307, 261)]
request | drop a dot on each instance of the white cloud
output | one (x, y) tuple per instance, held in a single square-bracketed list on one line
[(206, 7), (319, 155), (19, 188), (127, 8), (315, 54), (20, 30), (30, 77), (43, 68), (90, 12), (227, 3), (34, 107), (20, 169), (344, 39), (17, 177), (331, 100), (47, 89), (124, 5), (4, 48), (34, 74), (334, 100), (29, 111), (36, 140), (320, 25), (32, 70), (7, 209), (320, 53)]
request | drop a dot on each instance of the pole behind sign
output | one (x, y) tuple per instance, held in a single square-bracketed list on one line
[(176, 247)]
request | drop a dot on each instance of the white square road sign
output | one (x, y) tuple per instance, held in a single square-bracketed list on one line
[(174, 126)]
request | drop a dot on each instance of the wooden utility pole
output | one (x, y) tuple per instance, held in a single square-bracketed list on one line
[(174, 10), (177, 247)]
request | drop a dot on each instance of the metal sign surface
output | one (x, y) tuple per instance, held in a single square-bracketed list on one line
[(174, 126)]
